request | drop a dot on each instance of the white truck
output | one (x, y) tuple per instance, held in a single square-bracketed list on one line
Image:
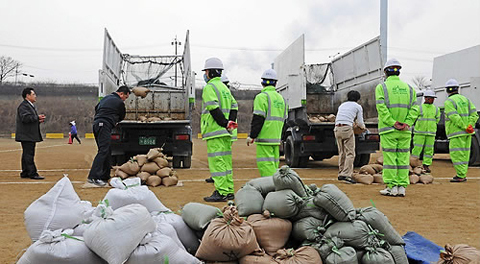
[(167, 108), (464, 66), (318, 89)]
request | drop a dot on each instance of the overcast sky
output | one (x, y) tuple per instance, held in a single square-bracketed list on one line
[(62, 41)]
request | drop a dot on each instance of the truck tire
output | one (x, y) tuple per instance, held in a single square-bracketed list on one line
[(292, 158), (474, 152), (361, 159), (187, 162), (177, 160)]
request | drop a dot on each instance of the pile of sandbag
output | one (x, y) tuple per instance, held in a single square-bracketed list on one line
[(67, 230), (417, 173), (321, 118), (153, 169), (368, 174), (149, 119)]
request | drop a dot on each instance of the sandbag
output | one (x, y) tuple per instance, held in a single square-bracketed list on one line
[(150, 167), (335, 202), (330, 118), (197, 216), (115, 234), (378, 178), (154, 119), (121, 174), (142, 118), (459, 254), (283, 204), (426, 178), (327, 246), (367, 169), (272, 233), (377, 220), (248, 200), (263, 184), (140, 91), (130, 167), (143, 176), (159, 248), (377, 256), (415, 162), (257, 258), (344, 255), (303, 255), (154, 153), (355, 234), (414, 178), (57, 247), (377, 167), (308, 208), (59, 208), (185, 234), (363, 178), (379, 160), (153, 181), (417, 170), (308, 228), (164, 172), (398, 253), (287, 179), (167, 229), (228, 238), (133, 193), (161, 162), (141, 159), (170, 180)]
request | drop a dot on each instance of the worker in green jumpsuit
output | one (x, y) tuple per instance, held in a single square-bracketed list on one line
[(395, 101), (269, 114), (425, 130), (216, 127), (460, 118)]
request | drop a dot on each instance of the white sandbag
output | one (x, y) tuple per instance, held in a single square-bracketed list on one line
[(59, 208), (129, 191), (158, 248), (113, 235), (87, 219), (185, 234), (167, 229), (59, 247)]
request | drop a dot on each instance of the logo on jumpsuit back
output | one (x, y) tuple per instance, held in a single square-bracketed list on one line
[(399, 90), (277, 104), (225, 94)]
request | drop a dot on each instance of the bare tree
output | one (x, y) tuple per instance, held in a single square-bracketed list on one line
[(421, 82), (8, 68)]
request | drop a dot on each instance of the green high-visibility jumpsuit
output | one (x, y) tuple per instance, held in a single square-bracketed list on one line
[(459, 113), (395, 102), (219, 147), (424, 132), (272, 106)]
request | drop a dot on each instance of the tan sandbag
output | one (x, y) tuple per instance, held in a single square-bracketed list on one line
[(141, 159), (367, 169), (331, 118), (130, 167), (378, 178), (363, 178), (426, 178), (121, 174), (322, 119), (459, 254), (164, 172), (414, 178), (154, 181), (415, 162), (303, 255), (161, 162), (257, 258), (377, 167), (410, 171), (154, 153), (379, 160), (227, 238), (143, 176), (170, 180), (314, 119), (142, 118), (154, 119), (357, 130), (168, 118), (140, 91), (150, 167), (272, 233), (417, 170)]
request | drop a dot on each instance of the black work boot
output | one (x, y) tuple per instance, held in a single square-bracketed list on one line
[(215, 197), (426, 168), (209, 180)]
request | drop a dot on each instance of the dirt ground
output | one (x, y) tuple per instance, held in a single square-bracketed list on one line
[(443, 212)]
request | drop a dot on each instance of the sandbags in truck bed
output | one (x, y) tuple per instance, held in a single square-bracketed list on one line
[(335, 202), (286, 178)]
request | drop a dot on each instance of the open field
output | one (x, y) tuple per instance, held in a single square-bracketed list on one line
[(443, 212)]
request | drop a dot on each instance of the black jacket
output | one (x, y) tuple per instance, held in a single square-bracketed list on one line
[(27, 123), (110, 109)]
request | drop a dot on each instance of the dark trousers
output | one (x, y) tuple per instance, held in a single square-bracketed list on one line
[(28, 163), (75, 136), (101, 164)]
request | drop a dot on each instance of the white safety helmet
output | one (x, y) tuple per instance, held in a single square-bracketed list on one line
[(429, 93), (224, 78), (270, 74), (391, 63), (452, 83), (213, 63)]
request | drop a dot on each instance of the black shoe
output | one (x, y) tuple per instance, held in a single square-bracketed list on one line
[(426, 168), (97, 182), (37, 177), (230, 196), (209, 180), (458, 179), (346, 179), (215, 197)]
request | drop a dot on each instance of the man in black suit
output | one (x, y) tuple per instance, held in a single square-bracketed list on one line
[(108, 112), (28, 132)]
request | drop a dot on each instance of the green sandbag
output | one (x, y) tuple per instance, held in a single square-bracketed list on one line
[(283, 204), (197, 216), (327, 246), (308, 228), (355, 234), (377, 220), (345, 255), (360, 255), (286, 178), (377, 256), (263, 184), (335, 202), (248, 201), (398, 254), (308, 208)]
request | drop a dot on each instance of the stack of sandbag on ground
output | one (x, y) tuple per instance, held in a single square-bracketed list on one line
[(153, 169), (417, 173), (368, 174)]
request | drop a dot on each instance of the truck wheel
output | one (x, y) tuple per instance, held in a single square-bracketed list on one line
[(303, 161), (177, 160), (361, 159), (187, 162), (474, 153), (291, 153)]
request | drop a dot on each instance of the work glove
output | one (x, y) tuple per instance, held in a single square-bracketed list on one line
[(470, 129), (399, 126), (232, 125), (250, 141)]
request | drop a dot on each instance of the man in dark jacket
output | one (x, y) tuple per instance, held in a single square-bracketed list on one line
[(28, 133), (108, 112)]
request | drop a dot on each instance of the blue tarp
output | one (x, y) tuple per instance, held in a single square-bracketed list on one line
[(420, 250)]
